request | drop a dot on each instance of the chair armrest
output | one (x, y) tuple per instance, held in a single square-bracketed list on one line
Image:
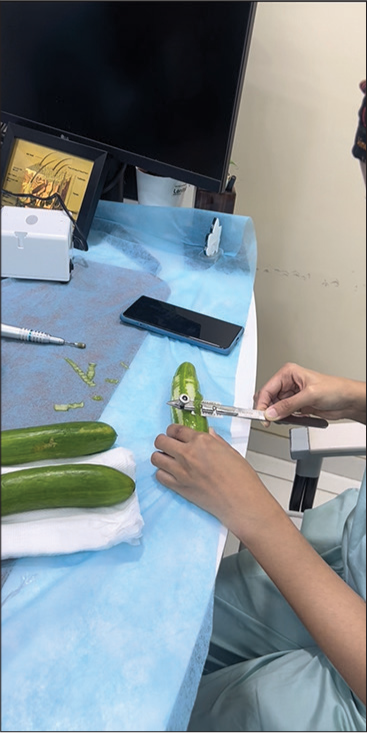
[(338, 439), (308, 446)]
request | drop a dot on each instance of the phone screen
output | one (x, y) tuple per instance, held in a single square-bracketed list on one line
[(181, 323)]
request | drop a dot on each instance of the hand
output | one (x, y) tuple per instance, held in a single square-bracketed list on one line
[(295, 389), (207, 471)]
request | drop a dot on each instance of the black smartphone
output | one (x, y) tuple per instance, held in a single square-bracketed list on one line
[(182, 324)]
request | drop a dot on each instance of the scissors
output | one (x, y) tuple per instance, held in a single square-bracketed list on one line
[(216, 409)]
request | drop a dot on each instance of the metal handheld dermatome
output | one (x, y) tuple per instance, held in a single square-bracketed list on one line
[(216, 409)]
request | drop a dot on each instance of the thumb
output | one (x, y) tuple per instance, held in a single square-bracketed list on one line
[(284, 408)]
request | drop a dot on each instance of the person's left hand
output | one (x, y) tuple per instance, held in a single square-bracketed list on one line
[(207, 471)]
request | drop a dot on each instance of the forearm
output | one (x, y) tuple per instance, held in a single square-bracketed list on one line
[(333, 613), (357, 408)]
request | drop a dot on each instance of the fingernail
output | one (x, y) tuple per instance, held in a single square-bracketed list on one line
[(271, 413)]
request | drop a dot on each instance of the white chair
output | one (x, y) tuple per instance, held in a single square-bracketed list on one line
[(309, 446)]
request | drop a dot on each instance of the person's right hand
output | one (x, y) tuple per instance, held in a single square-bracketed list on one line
[(295, 389)]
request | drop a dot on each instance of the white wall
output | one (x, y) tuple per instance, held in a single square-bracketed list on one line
[(297, 179)]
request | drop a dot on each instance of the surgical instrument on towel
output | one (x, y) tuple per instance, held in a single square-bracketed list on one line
[(39, 337), (216, 409)]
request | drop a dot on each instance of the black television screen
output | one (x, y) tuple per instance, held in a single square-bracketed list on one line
[(156, 84)]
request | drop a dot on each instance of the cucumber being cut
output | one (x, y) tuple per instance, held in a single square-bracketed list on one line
[(185, 381)]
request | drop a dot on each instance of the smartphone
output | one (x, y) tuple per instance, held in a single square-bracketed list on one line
[(182, 324)]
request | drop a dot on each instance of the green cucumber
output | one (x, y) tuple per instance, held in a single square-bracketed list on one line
[(83, 485), (63, 440), (185, 381)]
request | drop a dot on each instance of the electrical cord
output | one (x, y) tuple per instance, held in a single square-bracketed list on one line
[(122, 183), (3, 128), (79, 241), (118, 178)]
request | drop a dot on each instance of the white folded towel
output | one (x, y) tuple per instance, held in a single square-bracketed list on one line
[(61, 531)]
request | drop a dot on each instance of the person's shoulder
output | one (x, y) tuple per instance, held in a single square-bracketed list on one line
[(359, 147)]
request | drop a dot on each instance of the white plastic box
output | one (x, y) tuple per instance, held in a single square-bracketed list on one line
[(35, 244)]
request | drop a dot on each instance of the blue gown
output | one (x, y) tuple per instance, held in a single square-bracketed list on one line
[(264, 672)]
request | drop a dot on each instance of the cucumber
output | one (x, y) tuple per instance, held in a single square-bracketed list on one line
[(185, 381), (52, 487), (63, 440)]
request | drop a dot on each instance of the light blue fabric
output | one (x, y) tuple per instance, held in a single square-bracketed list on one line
[(354, 544), (264, 671), (116, 640)]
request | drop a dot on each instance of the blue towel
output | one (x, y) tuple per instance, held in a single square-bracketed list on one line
[(116, 640)]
